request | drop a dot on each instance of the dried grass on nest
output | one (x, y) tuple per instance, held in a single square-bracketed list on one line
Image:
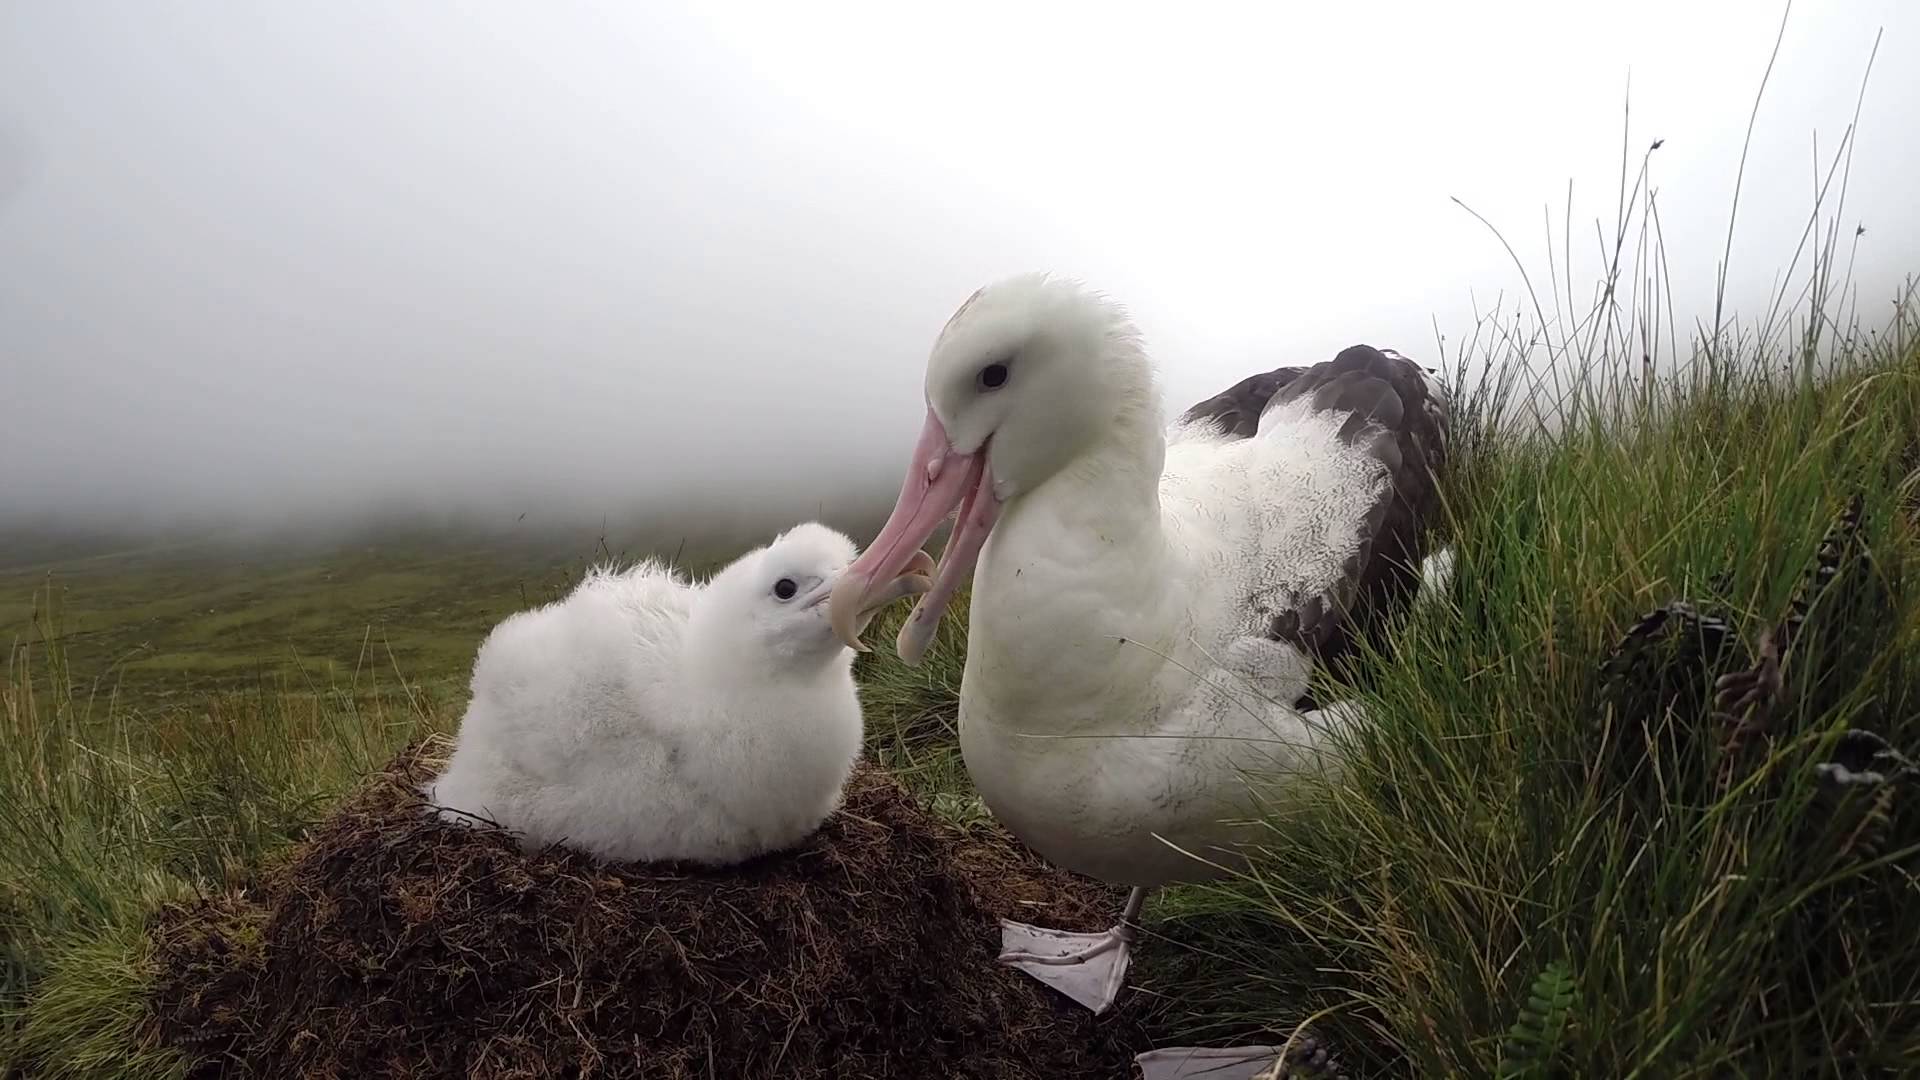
[(392, 945)]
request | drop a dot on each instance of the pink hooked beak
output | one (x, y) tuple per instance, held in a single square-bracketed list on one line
[(937, 480)]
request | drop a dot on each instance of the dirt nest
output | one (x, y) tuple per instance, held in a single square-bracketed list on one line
[(392, 945)]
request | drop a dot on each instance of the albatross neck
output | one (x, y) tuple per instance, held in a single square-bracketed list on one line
[(1108, 494), (1083, 548)]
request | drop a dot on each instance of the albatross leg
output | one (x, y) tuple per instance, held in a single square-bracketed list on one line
[(1088, 968)]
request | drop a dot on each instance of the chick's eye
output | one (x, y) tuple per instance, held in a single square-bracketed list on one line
[(785, 588), (993, 376)]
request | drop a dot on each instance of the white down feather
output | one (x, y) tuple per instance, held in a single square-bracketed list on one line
[(647, 718)]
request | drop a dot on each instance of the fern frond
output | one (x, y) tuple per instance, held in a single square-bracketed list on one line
[(1535, 1039)]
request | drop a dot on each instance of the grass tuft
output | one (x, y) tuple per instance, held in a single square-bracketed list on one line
[(90, 1017), (105, 817), (912, 712)]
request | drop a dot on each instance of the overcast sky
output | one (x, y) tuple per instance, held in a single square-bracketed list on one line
[(278, 257)]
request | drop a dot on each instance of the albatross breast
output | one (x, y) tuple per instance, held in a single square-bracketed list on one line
[(1112, 736), (1148, 603)]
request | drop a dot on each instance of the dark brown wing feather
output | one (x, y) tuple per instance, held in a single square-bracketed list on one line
[(1392, 412), (1237, 409)]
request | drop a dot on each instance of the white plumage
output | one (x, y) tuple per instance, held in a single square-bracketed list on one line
[(1149, 601), (1157, 664), (647, 718)]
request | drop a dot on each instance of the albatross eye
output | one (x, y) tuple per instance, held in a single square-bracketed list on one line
[(993, 376), (785, 588)]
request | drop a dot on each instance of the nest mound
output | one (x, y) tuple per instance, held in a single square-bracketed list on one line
[(394, 945)]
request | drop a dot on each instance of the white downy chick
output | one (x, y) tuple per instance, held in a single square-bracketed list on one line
[(645, 718)]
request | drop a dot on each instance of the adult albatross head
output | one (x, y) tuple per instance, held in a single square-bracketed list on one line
[(1027, 375)]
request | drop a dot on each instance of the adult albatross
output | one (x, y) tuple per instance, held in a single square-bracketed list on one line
[(1148, 602)]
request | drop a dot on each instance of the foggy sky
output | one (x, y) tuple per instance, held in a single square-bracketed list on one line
[(300, 258)]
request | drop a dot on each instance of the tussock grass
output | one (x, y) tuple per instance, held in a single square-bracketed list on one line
[(1528, 871), (1502, 816), (89, 1015), (911, 712), (105, 814)]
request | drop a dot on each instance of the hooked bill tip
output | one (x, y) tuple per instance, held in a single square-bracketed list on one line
[(844, 608), (916, 634), (854, 601), (921, 564)]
